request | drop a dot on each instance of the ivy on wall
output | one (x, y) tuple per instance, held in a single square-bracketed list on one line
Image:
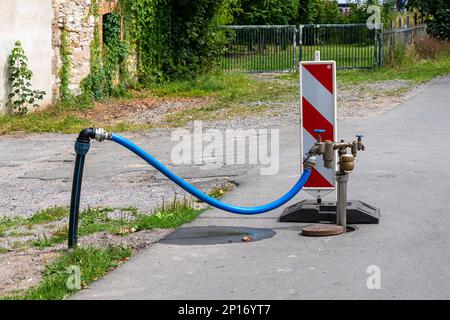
[(171, 39), (107, 61), (64, 73)]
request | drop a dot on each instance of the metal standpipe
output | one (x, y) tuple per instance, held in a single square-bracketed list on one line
[(341, 206)]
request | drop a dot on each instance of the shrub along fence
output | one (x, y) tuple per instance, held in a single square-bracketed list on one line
[(280, 48), (395, 42)]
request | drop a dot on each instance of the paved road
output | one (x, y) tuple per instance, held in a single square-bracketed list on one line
[(404, 172)]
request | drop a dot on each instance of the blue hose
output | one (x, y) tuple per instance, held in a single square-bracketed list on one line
[(204, 197)]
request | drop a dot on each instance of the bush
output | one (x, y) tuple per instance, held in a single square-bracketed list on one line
[(174, 39), (21, 96), (427, 48), (431, 48), (436, 15)]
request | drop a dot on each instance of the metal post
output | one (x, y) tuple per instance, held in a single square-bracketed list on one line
[(341, 205), (295, 48), (300, 43), (391, 45), (380, 60), (375, 55)]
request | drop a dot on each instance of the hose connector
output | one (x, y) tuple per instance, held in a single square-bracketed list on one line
[(310, 162), (101, 135)]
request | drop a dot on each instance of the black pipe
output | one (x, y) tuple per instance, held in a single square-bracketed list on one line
[(82, 145), (75, 200), (86, 135)]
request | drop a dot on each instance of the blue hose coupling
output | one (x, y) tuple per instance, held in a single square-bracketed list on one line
[(310, 162), (101, 135), (82, 148)]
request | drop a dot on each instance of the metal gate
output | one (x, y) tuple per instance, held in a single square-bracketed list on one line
[(260, 48), (280, 48)]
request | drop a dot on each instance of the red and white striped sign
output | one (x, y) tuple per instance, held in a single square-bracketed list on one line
[(318, 111)]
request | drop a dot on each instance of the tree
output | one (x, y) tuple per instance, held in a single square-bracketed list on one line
[(308, 11), (328, 12), (359, 12), (436, 14), (264, 12)]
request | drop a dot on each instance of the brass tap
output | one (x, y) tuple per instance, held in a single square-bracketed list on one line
[(327, 149), (346, 163)]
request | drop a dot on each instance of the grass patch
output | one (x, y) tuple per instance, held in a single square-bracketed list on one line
[(418, 72), (219, 192), (120, 222), (41, 217), (48, 215), (6, 223), (57, 237), (53, 119), (42, 121), (17, 234), (210, 84), (225, 86), (169, 216), (93, 263), (277, 59), (235, 99)]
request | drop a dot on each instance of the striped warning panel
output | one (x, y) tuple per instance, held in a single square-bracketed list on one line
[(318, 111)]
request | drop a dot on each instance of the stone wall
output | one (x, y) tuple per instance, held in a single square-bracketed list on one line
[(75, 16)]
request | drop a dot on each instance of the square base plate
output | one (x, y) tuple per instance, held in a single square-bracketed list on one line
[(312, 212)]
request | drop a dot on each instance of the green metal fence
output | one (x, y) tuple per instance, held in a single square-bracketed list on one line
[(280, 48), (260, 48), (350, 45)]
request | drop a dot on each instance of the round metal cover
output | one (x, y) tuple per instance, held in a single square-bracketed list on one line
[(322, 230)]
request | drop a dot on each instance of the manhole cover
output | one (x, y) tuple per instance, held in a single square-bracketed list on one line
[(209, 235), (322, 230)]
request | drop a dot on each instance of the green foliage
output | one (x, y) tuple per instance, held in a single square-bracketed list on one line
[(48, 215), (171, 40), (174, 39), (359, 12), (148, 28), (263, 12), (436, 14), (305, 11), (6, 223), (419, 72), (171, 215), (308, 11), (108, 61), (64, 72), (21, 96), (195, 40), (328, 12)]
